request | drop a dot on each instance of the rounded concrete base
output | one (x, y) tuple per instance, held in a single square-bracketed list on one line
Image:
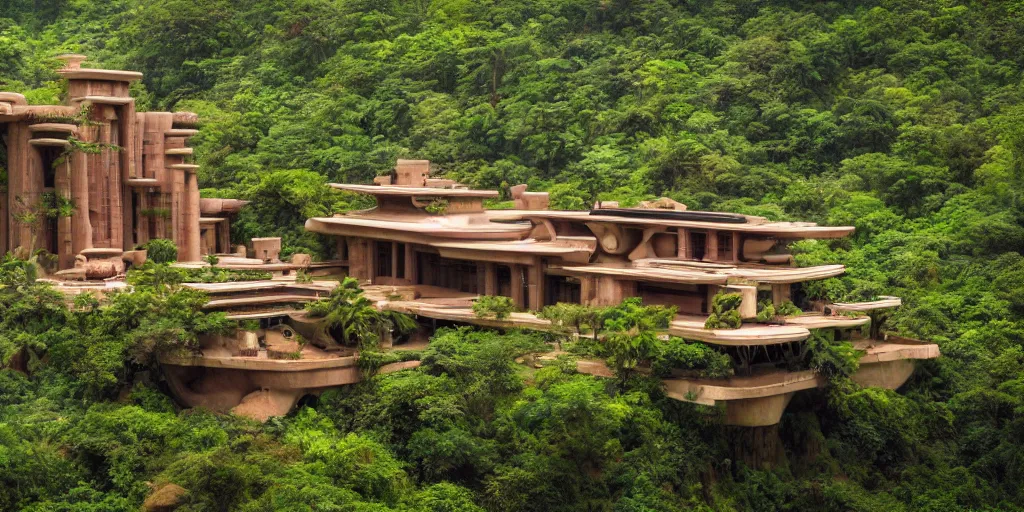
[(259, 389), (888, 374), (756, 412)]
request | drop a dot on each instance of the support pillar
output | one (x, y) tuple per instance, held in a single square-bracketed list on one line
[(62, 190), (517, 285), (24, 188), (371, 260), (81, 226), (737, 245), (490, 278), (683, 243), (711, 254), (178, 205), (410, 263), (536, 285), (781, 293), (190, 219), (359, 261), (110, 135), (224, 236), (141, 220)]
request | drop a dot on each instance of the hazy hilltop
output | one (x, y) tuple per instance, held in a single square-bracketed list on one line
[(904, 118)]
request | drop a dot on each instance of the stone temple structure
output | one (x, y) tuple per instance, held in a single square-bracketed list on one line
[(430, 249), (92, 178)]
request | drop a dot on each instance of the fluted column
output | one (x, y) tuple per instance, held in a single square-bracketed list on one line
[(81, 227)]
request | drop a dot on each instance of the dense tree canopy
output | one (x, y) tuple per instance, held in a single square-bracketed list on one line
[(904, 118)]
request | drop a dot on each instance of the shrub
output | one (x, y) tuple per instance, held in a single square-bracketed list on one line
[(787, 308), (437, 207), (830, 359), (566, 316), (696, 356), (161, 250), (498, 306), (725, 313), (765, 311), (151, 273)]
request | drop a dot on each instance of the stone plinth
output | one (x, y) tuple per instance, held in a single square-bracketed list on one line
[(267, 249)]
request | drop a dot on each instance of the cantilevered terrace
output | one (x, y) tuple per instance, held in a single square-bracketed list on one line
[(431, 250)]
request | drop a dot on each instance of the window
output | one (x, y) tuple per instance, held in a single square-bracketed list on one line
[(383, 259), (434, 270), (561, 289), (725, 247), (400, 256), (504, 280), (698, 244)]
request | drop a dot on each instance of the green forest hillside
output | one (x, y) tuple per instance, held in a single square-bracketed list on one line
[(904, 118)]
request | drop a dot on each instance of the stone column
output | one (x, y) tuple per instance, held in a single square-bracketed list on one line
[(517, 285), (683, 243), (410, 263), (359, 258), (177, 208), (536, 285), (588, 291), (24, 188), (15, 181), (224, 235), (141, 220), (711, 253), (65, 242), (781, 293), (190, 219), (737, 246), (81, 227), (114, 193), (490, 278), (748, 306)]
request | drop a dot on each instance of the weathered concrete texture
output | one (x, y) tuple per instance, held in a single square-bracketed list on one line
[(258, 388), (263, 373), (760, 400)]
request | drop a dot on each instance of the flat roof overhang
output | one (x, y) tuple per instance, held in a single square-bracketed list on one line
[(415, 232), (401, 191), (775, 229), (466, 315), (819, 321), (40, 112), (758, 274), (651, 274), (255, 364), (518, 251), (885, 302), (112, 75), (692, 328), (710, 391), (249, 286)]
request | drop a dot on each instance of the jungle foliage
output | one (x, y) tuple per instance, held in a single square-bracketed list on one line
[(903, 118)]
